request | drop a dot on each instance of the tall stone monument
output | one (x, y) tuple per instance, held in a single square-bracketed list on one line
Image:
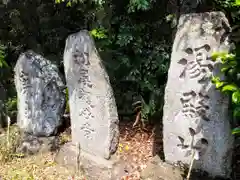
[(93, 111), (40, 93), (196, 116)]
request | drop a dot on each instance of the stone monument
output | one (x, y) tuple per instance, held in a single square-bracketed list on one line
[(40, 93), (93, 111), (196, 119)]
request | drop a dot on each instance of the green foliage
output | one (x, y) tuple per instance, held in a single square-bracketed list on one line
[(231, 84), (230, 62), (3, 74), (236, 130), (136, 5), (69, 3), (144, 63), (133, 6), (237, 3), (11, 107), (229, 3), (98, 33), (8, 149), (230, 7), (133, 56), (133, 37), (230, 66), (3, 62)]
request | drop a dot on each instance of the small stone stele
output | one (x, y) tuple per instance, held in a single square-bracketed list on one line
[(41, 95)]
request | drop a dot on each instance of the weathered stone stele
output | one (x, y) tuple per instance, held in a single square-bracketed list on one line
[(193, 108), (40, 93), (93, 112)]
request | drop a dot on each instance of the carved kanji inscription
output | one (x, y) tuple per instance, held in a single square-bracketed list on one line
[(195, 105), (87, 130), (197, 64)]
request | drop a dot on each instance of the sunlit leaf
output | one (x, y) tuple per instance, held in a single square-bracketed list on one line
[(236, 97), (219, 84), (69, 3), (236, 130), (214, 56), (224, 69), (237, 2), (229, 87)]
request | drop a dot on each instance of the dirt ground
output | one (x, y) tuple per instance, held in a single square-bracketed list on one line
[(136, 146)]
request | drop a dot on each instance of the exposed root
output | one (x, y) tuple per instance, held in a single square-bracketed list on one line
[(138, 117)]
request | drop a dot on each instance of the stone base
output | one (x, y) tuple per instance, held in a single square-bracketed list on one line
[(158, 170), (92, 167), (32, 145)]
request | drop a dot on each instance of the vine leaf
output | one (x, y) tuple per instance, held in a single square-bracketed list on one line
[(236, 130), (229, 87), (236, 97)]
